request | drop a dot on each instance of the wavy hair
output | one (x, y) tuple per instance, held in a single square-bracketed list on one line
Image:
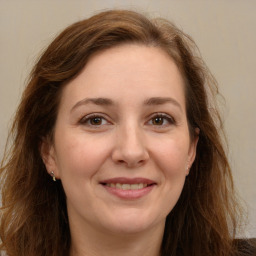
[(33, 215)]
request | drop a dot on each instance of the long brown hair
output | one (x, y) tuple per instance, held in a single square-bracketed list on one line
[(34, 216)]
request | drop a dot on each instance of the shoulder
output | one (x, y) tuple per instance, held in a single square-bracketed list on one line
[(245, 247)]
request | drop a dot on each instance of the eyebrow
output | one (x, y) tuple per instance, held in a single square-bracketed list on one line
[(161, 101), (108, 102), (96, 101)]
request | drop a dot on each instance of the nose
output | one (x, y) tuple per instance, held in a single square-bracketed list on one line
[(130, 147)]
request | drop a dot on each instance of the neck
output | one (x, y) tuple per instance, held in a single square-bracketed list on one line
[(97, 243)]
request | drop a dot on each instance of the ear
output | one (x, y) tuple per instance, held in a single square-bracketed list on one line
[(192, 149), (48, 156)]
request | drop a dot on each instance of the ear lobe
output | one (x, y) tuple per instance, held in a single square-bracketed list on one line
[(47, 152)]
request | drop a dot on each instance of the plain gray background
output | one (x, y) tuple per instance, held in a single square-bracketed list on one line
[(224, 30)]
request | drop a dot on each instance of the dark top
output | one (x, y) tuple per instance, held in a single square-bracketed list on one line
[(246, 247)]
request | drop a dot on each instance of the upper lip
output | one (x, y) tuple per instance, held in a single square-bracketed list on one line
[(124, 180)]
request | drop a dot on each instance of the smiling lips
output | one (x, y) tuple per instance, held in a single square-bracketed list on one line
[(126, 188)]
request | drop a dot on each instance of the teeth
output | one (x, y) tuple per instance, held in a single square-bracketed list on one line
[(135, 186), (127, 186), (118, 185)]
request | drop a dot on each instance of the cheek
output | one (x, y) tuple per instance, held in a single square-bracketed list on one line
[(172, 156), (172, 161), (80, 155)]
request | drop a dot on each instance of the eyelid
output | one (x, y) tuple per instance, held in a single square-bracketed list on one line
[(84, 119), (168, 117)]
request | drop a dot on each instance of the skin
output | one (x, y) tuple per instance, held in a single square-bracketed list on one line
[(143, 132)]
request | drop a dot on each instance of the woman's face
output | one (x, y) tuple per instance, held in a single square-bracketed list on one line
[(121, 144)]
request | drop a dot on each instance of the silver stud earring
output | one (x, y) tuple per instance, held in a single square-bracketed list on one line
[(53, 176)]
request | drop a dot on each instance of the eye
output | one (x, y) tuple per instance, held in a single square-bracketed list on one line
[(96, 120), (93, 120), (161, 120), (158, 120)]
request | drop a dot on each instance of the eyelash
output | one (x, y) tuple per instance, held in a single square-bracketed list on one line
[(170, 120), (86, 120)]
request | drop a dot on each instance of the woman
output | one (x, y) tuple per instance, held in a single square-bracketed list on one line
[(117, 148)]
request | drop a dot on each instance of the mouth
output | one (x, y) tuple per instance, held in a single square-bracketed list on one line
[(127, 188)]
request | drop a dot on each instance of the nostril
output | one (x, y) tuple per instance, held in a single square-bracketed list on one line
[(130, 156), (130, 163)]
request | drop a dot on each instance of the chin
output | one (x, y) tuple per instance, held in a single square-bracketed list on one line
[(131, 223)]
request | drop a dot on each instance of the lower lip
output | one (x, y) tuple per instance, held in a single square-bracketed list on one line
[(129, 194)]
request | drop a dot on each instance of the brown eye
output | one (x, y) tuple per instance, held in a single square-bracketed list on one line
[(96, 121), (93, 121), (158, 120), (161, 120)]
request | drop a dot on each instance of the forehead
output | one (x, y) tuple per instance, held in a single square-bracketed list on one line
[(126, 70), (133, 59)]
